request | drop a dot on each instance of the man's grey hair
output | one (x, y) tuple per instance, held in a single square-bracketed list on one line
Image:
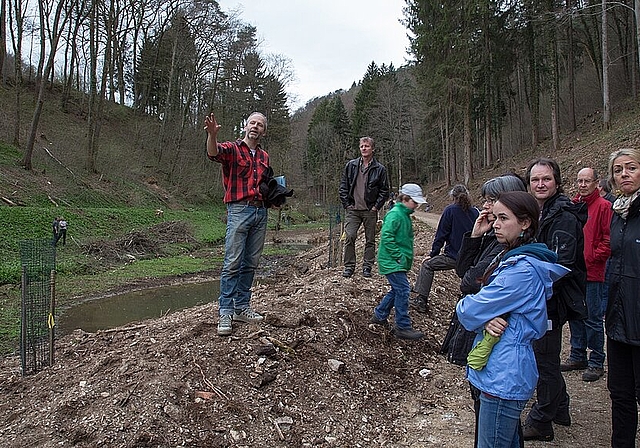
[(261, 115), (368, 140)]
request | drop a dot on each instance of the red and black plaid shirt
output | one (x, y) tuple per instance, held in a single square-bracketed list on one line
[(242, 173)]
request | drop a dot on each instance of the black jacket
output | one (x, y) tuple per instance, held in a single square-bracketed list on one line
[(272, 192), (474, 257), (376, 192), (561, 230), (623, 308)]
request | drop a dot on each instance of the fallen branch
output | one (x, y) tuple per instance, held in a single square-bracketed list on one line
[(9, 201), (278, 430), (118, 330), (214, 388), (123, 402), (57, 160)]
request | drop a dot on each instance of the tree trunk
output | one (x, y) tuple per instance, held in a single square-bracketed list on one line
[(555, 82), (636, 11), (571, 71), (55, 37), (534, 80), (468, 141), (93, 89), (606, 102), (3, 38), (18, 16)]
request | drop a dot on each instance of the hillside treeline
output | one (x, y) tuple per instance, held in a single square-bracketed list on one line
[(132, 82)]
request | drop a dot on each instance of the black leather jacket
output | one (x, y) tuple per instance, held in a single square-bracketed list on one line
[(474, 257), (561, 231), (623, 308), (376, 192)]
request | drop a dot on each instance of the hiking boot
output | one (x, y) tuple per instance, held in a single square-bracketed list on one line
[(348, 272), (592, 374), (366, 272), (248, 316), (570, 364), (382, 322), (533, 431), (224, 325), (420, 304), (407, 333)]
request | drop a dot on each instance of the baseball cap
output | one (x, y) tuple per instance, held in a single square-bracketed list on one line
[(414, 191)]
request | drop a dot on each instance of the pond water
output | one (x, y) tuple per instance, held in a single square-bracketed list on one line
[(122, 309)]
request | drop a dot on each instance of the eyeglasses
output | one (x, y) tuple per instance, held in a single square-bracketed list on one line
[(489, 200), (585, 181)]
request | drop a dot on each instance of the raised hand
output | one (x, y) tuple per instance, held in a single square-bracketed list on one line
[(483, 224), (211, 125)]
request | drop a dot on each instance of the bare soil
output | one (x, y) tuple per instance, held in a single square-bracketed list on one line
[(313, 374)]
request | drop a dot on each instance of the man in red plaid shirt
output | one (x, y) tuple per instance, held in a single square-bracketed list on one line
[(244, 168)]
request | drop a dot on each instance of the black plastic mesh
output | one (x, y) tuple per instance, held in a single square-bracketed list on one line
[(38, 259)]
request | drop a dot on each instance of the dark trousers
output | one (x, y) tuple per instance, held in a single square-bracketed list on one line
[(62, 234), (427, 271), (353, 220), (623, 381), (551, 392)]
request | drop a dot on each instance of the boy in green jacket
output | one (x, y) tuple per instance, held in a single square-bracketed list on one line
[(395, 257)]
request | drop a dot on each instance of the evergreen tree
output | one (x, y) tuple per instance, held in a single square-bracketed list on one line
[(365, 101)]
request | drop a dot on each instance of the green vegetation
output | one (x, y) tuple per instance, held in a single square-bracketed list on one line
[(184, 241), (81, 272), (91, 225)]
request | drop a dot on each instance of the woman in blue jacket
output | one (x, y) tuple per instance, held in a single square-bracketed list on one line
[(516, 286)]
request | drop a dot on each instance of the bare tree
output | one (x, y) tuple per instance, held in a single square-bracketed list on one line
[(606, 101), (53, 30), (3, 38), (18, 11)]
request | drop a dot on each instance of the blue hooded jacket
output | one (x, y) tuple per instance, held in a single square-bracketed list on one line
[(519, 287)]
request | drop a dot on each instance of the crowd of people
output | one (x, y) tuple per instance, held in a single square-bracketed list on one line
[(530, 260)]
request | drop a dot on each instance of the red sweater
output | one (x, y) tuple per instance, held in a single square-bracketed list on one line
[(597, 232)]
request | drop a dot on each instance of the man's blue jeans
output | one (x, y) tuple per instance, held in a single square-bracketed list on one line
[(246, 231), (499, 422), (589, 333), (397, 297)]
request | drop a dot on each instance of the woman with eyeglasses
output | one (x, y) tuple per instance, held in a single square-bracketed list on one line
[(480, 246)]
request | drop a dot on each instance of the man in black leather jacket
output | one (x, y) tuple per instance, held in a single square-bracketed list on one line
[(364, 189), (561, 223)]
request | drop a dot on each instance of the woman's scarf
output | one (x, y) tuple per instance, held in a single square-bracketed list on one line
[(622, 204)]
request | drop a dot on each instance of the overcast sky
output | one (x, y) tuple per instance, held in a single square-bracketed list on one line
[(329, 42)]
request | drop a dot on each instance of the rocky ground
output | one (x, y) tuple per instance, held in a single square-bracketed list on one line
[(314, 374)]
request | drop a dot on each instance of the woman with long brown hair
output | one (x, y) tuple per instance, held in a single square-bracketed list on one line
[(515, 286)]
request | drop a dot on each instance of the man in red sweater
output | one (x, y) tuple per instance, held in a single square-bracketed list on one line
[(589, 333)]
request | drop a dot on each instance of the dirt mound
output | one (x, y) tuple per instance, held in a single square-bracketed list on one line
[(314, 374), (137, 244)]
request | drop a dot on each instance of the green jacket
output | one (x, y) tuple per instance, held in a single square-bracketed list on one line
[(395, 252)]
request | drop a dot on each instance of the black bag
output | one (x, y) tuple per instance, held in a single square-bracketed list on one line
[(457, 342)]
